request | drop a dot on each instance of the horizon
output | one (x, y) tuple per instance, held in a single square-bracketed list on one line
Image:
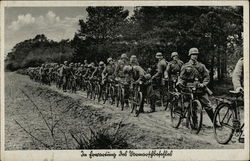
[(56, 23)]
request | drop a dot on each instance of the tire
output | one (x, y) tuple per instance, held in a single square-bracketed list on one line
[(99, 94), (122, 99), (196, 116), (112, 95), (224, 133), (175, 113), (105, 95), (136, 103), (118, 97), (89, 90)]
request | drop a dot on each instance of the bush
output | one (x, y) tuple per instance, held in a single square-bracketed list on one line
[(103, 138)]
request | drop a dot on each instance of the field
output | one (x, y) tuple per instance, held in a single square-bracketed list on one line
[(42, 117)]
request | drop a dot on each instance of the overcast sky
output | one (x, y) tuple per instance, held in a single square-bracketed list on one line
[(56, 23)]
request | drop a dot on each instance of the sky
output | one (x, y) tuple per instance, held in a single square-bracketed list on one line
[(56, 23)]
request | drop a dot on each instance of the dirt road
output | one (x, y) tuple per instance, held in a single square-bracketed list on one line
[(74, 112)]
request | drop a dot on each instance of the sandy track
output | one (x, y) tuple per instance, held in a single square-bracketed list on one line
[(76, 113)]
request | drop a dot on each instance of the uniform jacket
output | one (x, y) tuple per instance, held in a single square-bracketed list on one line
[(173, 68), (190, 71), (119, 68), (238, 74), (161, 67)]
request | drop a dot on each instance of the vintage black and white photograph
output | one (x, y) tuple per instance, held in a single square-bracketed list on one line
[(124, 77)]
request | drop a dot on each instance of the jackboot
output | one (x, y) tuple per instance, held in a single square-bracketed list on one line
[(210, 114)]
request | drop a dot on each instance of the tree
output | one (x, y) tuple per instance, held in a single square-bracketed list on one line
[(100, 30)]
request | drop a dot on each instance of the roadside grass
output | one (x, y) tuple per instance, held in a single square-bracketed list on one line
[(102, 138)]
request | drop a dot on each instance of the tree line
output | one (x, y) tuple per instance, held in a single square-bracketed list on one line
[(110, 31)]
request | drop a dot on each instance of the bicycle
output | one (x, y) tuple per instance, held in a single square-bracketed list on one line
[(136, 98), (191, 110), (171, 87), (96, 88), (89, 88), (120, 99), (109, 92), (227, 119)]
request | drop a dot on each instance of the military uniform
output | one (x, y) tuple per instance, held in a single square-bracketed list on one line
[(119, 68), (97, 72), (108, 72), (161, 67), (237, 76), (65, 73), (173, 68), (157, 91), (136, 74), (192, 71), (42, 74)]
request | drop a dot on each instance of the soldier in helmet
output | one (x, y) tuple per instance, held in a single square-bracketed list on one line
[(65, 73), (173, 68), (42, 74), (109, 70), (237, 76), (119, 68), (135, 74), (161, 67), (85, 63), (90, 69), (194, 71), (98, 70), (133, 60), (157, 78), (98, 74)]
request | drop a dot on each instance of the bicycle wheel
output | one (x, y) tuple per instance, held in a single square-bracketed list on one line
[(223, 117), (89, 90), (196, 116), (122, 99), (99, 93), (94, 91), (112, 95), (118, 98), (136, 104), (175, 112)]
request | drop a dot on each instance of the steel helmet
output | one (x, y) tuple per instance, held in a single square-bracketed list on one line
[(133, 57), (109, 59), (101, 63), (193, 51), (124, 56), (158, 55), (174, 54), (65, 62)]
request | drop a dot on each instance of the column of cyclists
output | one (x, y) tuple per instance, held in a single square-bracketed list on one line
[(177, 87)]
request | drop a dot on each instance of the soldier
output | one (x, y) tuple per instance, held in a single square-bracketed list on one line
[(237, 76), (119, 68), (196, 71), (64, 73), (85, 63), (98, 74), (161, 67), (108, 72), (173, 68), (98, 70), (90, 69), (135, 74), (133, 60), (42, 73), (157, 78)]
